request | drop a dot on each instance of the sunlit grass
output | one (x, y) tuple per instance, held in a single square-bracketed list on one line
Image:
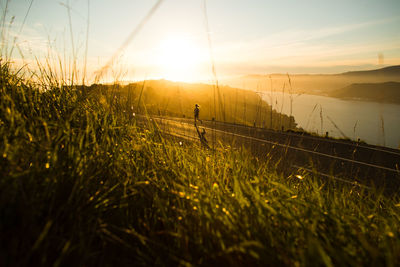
[(82, 184)]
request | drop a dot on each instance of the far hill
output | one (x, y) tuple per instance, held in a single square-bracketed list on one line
[(318, 84), (387, 71), (381, 92), (162, 97)]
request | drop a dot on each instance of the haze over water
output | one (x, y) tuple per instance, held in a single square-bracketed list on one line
[(356, 119)]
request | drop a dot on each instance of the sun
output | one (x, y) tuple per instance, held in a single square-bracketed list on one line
[(178, 58)]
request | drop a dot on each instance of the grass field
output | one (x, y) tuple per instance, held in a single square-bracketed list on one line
[(82, 185)]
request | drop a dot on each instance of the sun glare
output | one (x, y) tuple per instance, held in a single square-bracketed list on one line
[(178, 59)]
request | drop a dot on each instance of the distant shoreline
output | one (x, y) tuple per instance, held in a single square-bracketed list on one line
[(359, 99)]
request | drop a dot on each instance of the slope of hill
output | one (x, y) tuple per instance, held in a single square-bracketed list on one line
[(387, 71), (318, 84), (233, 105), (384, 92)]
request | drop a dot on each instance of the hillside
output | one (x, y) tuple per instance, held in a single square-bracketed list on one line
[(162, 97), (383, 92), (387, 71), (317, 84)]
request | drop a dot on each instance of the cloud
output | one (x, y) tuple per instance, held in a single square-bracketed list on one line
[(303, 47)]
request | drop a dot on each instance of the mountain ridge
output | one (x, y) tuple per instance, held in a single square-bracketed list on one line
[(391, 70), (388, 92)]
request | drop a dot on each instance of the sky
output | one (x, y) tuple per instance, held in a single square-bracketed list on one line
[(183, 39)]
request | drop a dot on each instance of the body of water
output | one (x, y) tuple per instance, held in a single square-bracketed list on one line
[(372, 122)]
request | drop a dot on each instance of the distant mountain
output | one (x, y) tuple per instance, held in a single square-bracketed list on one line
[(380, 92), (387, 71), (317, 84)]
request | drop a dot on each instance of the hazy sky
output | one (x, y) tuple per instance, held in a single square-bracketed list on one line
[(248, 36)]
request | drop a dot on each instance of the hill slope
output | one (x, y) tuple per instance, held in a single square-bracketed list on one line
[(318, 84), (234, 105), (386, 92), (387, 71)]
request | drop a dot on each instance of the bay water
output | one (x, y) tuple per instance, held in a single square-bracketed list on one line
[(372, 122)]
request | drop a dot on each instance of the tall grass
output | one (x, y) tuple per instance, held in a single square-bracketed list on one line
[(82, 184)]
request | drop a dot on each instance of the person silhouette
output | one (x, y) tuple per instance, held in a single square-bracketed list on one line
[(197, 113)]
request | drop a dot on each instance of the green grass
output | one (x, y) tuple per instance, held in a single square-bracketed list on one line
[(82, 185)]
